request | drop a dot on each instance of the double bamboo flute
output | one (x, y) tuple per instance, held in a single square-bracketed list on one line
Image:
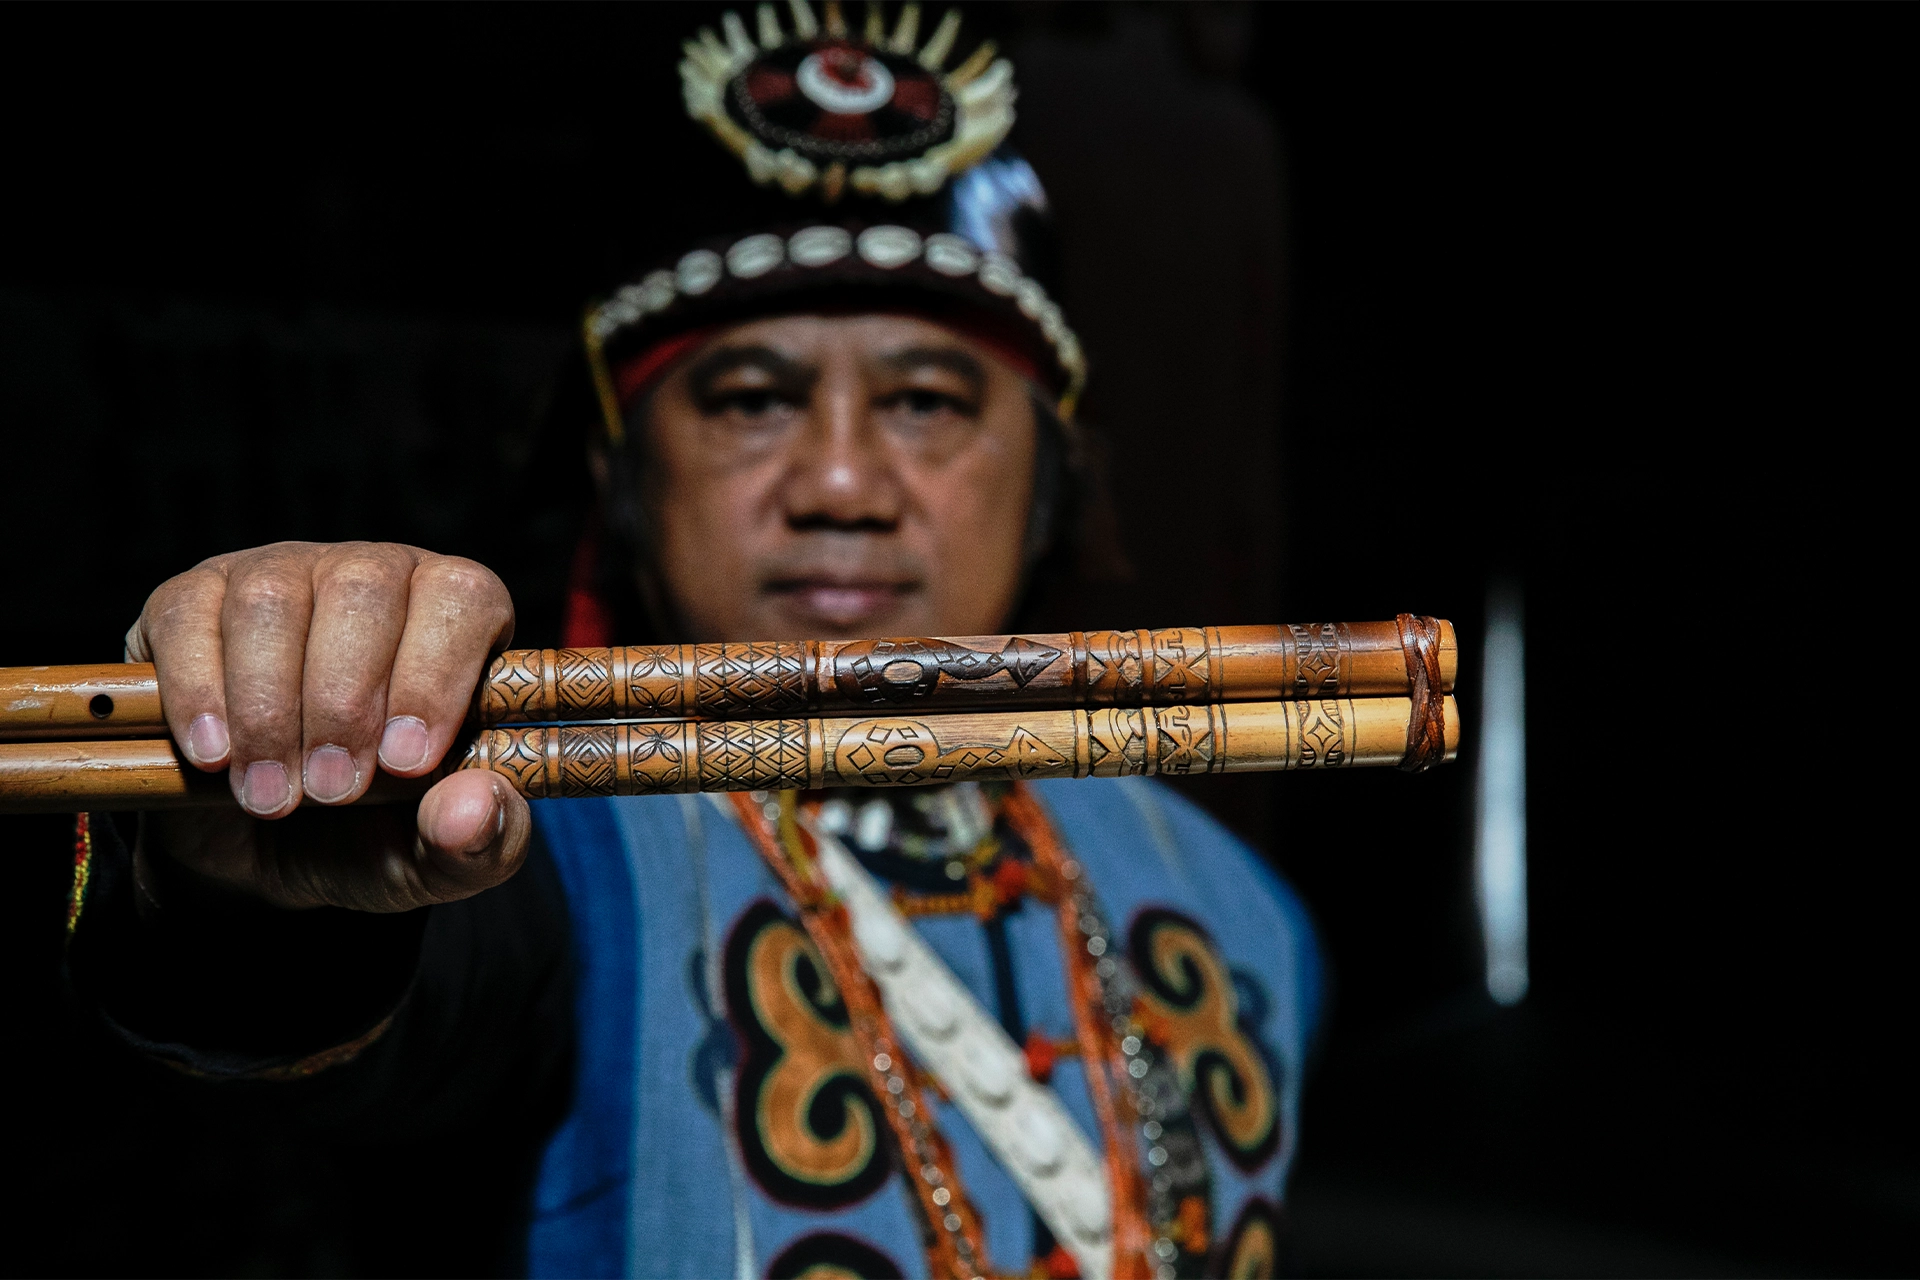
[(766, 716)]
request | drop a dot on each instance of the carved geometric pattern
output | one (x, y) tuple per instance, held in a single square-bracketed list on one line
[(1024, 659), (907, 752), (1026, 755), (1113, 667), (586, 760), (1185, 740), (520, 754), (1317, 652), (765, 678), (657, 757), (1324, 734), (1116, 742), (585, 685), (513, 685), (882, 751), (1180, 665), (753, 755), (653, 680)]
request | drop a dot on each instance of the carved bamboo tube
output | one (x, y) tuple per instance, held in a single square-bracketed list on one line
[(654, 757), (769, 755), (1169, 667)]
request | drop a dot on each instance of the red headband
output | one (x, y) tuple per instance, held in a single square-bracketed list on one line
[(633, 377)]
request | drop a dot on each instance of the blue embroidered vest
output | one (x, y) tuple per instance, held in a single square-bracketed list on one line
[(671, 1162)]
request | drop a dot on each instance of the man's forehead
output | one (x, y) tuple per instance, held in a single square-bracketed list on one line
[(871, 334)]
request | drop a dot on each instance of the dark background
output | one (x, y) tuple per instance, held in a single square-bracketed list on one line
[(1385, 305)]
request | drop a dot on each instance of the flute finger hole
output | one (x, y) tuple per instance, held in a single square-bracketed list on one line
[(100, 707)]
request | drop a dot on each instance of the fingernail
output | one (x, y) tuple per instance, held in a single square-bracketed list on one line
[(207, 739), (266, 789), (481, 838), (499, 812), (330, 773), (404, 745)]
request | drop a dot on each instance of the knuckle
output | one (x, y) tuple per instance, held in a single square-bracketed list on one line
[(363, 577), (464, 579), (270, 593), (194, 589), (176, 627), (467, 593)]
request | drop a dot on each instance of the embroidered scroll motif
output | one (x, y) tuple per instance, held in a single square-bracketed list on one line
[(828, 1255), (1191, 1009), (1252, 1249), (808, 1127)]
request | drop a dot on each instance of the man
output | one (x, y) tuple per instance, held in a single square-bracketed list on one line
[(967, 1030)]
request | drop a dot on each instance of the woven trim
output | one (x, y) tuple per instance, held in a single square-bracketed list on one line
[(816, 248)]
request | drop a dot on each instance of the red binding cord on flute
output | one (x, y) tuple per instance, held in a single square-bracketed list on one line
[(1427, 727)]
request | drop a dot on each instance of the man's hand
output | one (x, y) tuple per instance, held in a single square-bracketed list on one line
[(301, 668)]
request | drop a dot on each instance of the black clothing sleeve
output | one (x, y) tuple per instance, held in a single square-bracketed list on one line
[(446, 1020)]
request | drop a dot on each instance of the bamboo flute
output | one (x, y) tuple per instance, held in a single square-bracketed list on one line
[(770, 680), (656, 757)]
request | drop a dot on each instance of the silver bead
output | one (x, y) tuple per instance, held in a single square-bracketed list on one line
[(819, 246), (888, 247), (999, 274), (698, 271), (756, 255), (941, 1196), (1130, 1046), (882, 1063), (950, 255), (1156, 1156)]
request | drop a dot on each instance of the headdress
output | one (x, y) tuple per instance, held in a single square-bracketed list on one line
[(894, 190)]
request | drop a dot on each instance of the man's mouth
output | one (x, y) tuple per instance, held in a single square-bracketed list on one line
[(830, 605)]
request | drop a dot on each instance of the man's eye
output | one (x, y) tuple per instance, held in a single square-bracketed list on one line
[(921, 402), (752, 403)]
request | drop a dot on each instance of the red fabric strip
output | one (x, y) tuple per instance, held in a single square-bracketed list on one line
[(639, 373)]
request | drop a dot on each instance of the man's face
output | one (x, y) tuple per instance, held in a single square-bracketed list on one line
[(840, 477)]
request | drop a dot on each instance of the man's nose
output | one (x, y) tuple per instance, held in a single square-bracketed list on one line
[(842, 477)]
